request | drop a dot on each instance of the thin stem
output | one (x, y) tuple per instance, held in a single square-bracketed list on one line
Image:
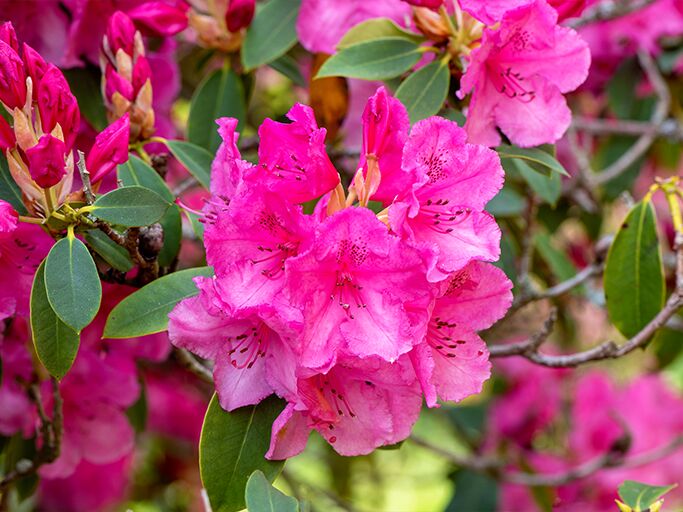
[(85, 178)]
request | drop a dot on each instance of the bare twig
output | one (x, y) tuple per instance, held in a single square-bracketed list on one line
[(670, 128), (609, 10), (641, 146), (85, 178), (190, 363)]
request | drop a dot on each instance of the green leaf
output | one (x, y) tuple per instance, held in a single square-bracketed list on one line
[(271, 34), (56, 343), (232, 446), (621, 89), (538, 159), (634, 276), (375, 28), (557, 260), (196, 159), (547, 188), (221, 94), (9, 190), (507, 203), (373, 60), (261, 496), (146, 311), (289, 67), (85, 85), (72, 283), (424, 92), (136, 172), (110, 251), (130, 206), (473, 491), (641, 496)]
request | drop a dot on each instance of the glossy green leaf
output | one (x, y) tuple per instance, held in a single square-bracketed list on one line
[(9, 190), (72, 282), (271, 34), (196, 159), (221, 94), (261, 496), (640, 496), (232, 446), (507, 203), (111, 252), (136, 172), (55, 342), (375, 28), (146, 311), (547, 188), (377, 59), (423, 93), (130, 206), (289, 67), (538, 159), (634, 275)]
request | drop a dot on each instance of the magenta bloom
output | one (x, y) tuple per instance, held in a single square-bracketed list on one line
[(228, 168), (159, 18), (453, 362), (15, 405), (361, 290), (12, 77), (445, 208), (518, 76), (251, 358), (239, 14), (57, 105), (292, 157), (356, 409)]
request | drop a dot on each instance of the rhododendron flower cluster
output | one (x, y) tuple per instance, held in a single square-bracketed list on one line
[(347, 314)]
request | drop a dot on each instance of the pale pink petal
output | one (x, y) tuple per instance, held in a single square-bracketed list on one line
[(289, 435)]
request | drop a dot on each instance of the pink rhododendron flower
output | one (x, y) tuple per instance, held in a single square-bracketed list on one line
[(356, 409), (12, 77), (90, 487), (109, 150), (17, 369), (292, 157), (324, 309), (159, 18), (453, 362), (46, 161), (518, 76), (445, 208)]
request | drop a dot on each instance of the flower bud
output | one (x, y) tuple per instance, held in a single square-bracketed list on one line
[(35, 64), (431, 24), (431, 4), (239, 14), (121, 33), (109, 150), (8, 35), (159, 19), (12, 77), (56, 105), (116, 83), (7, 138), (9, 218), (46, 161)]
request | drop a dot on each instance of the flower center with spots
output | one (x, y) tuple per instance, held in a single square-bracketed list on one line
[(441, 217), (246, 348)]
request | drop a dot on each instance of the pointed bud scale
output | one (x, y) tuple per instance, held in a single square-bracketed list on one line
[(46, 161), (7, 138), (109, 150), (12, 77), (121, 33), (116, 83), (35, 64), (8, 35), (56, 104), (239, 14), (159, 19)]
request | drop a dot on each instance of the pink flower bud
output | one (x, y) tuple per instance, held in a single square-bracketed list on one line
[(121, 33), (12, 77), (46, 161), (56, 104), (141, 73), (239, 14), (159, 19), (8, 35), (7, 138), (9, 218), (35, 64), (116, 83), (568, 8), (109, 150)]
